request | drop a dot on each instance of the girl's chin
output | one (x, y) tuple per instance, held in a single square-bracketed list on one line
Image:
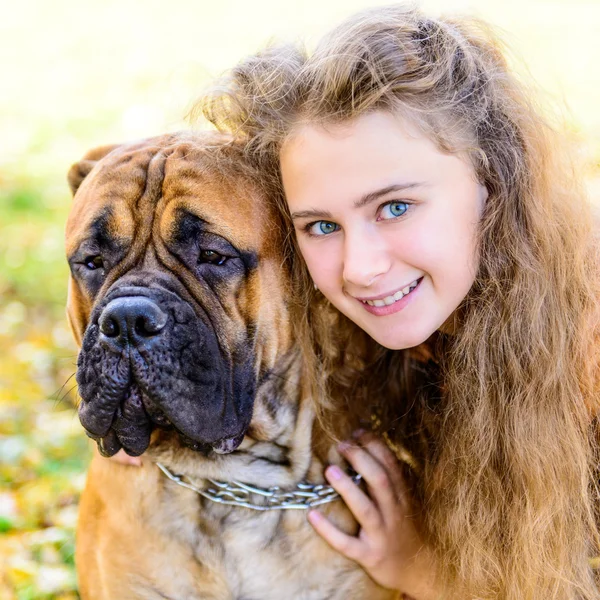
[(401, 341), (399, 336)]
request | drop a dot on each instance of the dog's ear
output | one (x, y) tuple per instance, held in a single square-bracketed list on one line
[(80, 170)]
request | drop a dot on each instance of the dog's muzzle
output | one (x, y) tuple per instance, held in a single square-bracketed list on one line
[(148, 359)]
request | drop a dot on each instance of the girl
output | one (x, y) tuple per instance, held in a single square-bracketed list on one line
[(456, 307)]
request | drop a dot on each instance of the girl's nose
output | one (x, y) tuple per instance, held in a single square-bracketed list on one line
[(366, 257)]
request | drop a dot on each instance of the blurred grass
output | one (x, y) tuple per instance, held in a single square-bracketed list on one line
[(43, 454), (79, 75)]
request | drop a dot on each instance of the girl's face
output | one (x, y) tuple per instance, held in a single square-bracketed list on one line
[(385, 222)]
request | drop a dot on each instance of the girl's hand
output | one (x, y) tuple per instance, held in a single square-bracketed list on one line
[(388, 545)]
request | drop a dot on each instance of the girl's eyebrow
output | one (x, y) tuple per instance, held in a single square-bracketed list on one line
[(363, 201), (372, 196), (312, 214)]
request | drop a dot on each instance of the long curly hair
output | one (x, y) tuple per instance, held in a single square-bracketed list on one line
[(499, 418)]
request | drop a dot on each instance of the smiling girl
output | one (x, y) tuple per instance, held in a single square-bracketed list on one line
[(456, 308), (386, 223)]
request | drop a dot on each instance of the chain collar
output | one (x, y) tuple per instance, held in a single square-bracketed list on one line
[(234, 493)]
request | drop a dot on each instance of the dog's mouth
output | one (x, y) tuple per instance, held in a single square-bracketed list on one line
[(169, 372), (134, 421), (225, 445)]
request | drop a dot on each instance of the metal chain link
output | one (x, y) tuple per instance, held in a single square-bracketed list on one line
[(234, 493)]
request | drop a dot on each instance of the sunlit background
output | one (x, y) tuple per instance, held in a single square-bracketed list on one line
[(74, 75)]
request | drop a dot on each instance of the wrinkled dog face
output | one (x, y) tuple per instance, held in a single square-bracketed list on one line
[(176, 294)]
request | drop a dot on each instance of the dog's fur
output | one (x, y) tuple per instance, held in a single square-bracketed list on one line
[(217, 393)]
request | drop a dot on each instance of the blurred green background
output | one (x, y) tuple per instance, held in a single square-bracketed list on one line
[(75, 75)]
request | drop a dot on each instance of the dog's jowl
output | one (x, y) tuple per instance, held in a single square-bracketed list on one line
[(178, 299)]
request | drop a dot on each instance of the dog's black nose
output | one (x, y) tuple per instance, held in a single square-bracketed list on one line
[(131, 320)]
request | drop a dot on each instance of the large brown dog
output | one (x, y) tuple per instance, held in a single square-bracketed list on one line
[(179, 303)]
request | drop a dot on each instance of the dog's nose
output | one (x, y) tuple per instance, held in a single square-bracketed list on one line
[(131, 320)]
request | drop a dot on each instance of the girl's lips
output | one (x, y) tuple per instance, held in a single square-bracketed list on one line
[(381, 311)]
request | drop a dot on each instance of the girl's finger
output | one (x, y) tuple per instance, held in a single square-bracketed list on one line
[(379, 449), (348, 545), (374, 473), (361, 506)]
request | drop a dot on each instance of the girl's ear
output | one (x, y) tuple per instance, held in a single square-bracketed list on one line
[(80, 170)]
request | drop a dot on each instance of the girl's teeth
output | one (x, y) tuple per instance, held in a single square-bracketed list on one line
[(388, 300)]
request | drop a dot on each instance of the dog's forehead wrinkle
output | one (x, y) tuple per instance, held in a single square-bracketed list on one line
[(122, 176), (153, 192), (144, 208), (222, 205)]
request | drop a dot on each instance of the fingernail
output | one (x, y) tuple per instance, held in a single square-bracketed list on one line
[(358, 433), (333, 472)]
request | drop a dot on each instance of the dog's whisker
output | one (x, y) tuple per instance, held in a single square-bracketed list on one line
[(58, 395)]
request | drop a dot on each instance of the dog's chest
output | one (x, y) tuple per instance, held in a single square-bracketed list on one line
[(275, 555)]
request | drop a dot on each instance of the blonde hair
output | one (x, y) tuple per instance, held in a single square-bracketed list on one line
[(500, 416)]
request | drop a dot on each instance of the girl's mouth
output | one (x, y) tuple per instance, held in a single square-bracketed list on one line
[(394, 302)]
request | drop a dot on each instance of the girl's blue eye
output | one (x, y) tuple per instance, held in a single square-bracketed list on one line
[(323, 227), (393, 209)]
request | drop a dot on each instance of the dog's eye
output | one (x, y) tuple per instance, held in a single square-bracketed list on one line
[(93, 262), (211, 257)]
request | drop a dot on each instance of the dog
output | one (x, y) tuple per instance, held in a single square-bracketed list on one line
[(180, 303)]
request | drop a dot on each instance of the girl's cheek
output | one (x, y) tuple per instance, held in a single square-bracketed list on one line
[(316, 268), (319, 257)]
